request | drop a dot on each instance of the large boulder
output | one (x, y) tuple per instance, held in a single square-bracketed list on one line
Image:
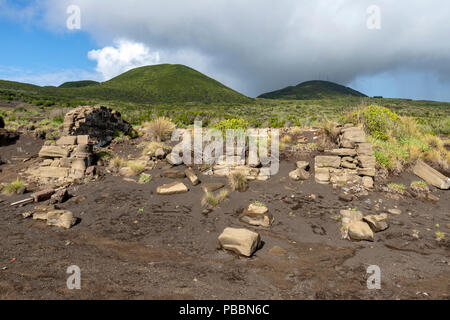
[(431, 176), (240, 241), (100, 123)]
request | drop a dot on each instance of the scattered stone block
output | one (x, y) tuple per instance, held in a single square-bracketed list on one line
[(212, 186), (360, 230), (42, 195), (257, 215), (377, 222), (172, 188), (174, 174), (60, 218), (299, 174), (192, 176), (431, 176), (240, 241), (322, 175)]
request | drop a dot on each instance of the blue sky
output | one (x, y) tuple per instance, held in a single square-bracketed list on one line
[(253, 48)]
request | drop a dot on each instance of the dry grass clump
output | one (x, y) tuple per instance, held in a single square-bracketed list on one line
[(160, 128), (153, 146), (210, 200), (117, 163), (136, 167), (238, 181), (12, 187)]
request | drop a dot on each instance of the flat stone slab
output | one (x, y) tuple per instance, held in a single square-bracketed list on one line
[(327, 161), (431, 176), (212, 186), (172, 188), (60, 218), (240, 241), (53, 152), (377, 222)]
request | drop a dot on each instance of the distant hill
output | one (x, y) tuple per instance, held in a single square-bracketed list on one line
[(78, 84), (313, 90), (164, 83)]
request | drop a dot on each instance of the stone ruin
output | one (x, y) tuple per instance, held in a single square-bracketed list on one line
[(100, 123), (352, 162), (70, 158)]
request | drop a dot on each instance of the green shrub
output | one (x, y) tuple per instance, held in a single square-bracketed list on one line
[(13, 186), (232, 124), (378, 121)]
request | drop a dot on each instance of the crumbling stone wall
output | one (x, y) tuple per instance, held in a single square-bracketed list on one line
[(68, 159), (351, 162), (99, 122)]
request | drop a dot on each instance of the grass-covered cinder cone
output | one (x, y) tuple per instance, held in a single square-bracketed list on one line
[(399, 140)]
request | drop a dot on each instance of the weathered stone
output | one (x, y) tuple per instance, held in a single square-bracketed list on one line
[(66, 140), (174, 160), (257, 216), (60, 196), (42, 195), (52, 172), (367, 182), (192, 176), (160, 153), (174, 174), (100, 123), (55, 163), (79, 164), (172, 188), (83, 151), (431, 176), (240, 241), (343, 176), (364, 149), (47, 162), (377, 222), (327, 161), (367, 161), (212, 186), (345, 197), (348, 165), (322, 175), (366, 172), (350, 215), (299, 174), (65, 162), (360, 230), (53, 152), (302, 165), (60, 218), (83, 139), (351, 136), (395, 211), (343, 152), (126, 172)]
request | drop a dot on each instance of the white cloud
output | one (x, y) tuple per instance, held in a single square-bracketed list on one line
[(124, 56)]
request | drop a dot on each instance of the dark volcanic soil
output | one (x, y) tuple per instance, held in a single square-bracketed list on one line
[(131, 243)]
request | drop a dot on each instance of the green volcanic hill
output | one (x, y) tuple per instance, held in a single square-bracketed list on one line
[(78, 84), (313, 90), (164, 83)]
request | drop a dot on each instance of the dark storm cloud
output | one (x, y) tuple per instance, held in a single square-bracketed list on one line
[(261, 45)]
